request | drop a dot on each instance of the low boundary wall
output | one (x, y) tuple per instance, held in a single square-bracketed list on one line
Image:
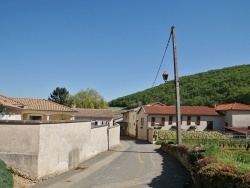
[(41, 149)]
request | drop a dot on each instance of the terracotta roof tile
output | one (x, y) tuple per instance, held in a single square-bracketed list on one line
[(5, 101), (243, 130), (94, 113), (185, 110), (232, 106), (42, 104)]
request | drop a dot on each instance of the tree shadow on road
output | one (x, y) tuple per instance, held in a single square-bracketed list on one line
[(173, 175)]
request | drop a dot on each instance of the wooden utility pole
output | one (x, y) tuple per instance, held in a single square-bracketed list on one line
[(177, 92)]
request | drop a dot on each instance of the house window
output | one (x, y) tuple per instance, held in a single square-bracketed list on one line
[(162, 121), (198, 120), (170, 121), (189, 120), (133, 117), (142, 121), (35, 118), (153, 121), (181, 120)]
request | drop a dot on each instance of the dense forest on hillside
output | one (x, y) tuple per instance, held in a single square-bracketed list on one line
[(225, 85)]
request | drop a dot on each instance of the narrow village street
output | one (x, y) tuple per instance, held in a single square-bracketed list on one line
[(134, 164)]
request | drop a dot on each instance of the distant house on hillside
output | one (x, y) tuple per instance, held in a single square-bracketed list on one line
[(33, 109), (99, 116)]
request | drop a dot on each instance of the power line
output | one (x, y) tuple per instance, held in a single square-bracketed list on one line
[(162, 58)]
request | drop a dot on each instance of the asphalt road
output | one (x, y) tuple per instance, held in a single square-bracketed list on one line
[(135, 164)]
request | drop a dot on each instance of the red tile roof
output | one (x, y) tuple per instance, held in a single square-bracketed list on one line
[(42, 104), (232, 106), (243, 130), (185, 110), (5, 101)]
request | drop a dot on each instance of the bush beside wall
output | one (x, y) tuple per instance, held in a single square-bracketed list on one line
[(6, 179), (206, 172)]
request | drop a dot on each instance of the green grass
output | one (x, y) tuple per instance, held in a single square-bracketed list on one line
[(6, 179), (236, 157)]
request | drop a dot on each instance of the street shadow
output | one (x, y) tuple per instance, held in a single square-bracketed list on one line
[(173, 174), (135, 140)]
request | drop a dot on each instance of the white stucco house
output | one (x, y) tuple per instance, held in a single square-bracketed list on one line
[(33, 109), (198, 118), (96, 116), (129, 122), (236, 116)]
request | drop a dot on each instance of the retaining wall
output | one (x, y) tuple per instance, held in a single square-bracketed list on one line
[(38, 150)]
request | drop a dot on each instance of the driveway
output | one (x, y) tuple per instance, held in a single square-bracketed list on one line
[(134, 164)]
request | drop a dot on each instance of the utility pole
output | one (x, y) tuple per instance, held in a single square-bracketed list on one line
[(177, 92)]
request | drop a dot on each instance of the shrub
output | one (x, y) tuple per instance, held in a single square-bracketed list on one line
[(6, 179)]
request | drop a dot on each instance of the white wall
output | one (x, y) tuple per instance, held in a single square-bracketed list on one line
[(151, 135), (114, 136), (142, 128), (240, 118), (132, 123), (46, 149), (10, 115), (19, 146)]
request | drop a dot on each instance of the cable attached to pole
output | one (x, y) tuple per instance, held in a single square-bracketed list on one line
[(162, 58)]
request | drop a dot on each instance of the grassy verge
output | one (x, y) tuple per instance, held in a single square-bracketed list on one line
[(6, 179), (238, 158)]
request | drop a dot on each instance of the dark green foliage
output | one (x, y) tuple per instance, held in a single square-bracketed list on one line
[(6, 180), (59, 95), (225, 85)]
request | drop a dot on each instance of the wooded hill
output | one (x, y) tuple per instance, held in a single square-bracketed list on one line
[(225, 85)]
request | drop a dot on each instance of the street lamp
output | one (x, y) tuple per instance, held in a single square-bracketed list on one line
[(177, 92)]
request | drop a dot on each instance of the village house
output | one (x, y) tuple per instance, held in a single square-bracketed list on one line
[(224, 117), (198, 118), (129, 123), (33, 109), (236, 117), (96, 116)]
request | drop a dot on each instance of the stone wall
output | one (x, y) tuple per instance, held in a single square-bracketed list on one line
[(43, 149)]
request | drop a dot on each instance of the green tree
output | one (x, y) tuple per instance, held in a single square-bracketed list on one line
[(225, 85), (60, 95), (88, 99)]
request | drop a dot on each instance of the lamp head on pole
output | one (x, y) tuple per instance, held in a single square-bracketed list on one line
[(165, 76)]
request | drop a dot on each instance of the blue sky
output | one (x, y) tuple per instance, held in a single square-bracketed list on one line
[(115, 46)]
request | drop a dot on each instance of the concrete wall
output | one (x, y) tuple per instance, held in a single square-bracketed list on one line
[(19, 146), (41, 150), (151, 135), (132, 123), (142, 125), (239, 118), (114, 136)]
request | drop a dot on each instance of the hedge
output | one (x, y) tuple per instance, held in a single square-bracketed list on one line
[(6, 179), (207, 172)]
